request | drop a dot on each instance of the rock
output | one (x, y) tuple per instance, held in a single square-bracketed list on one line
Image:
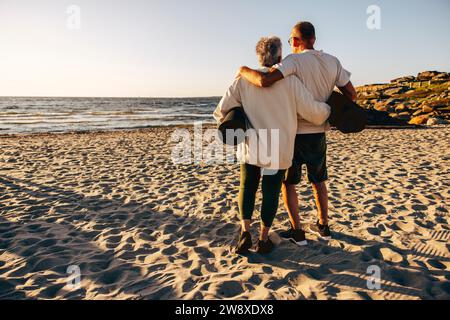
[(435, 121), (380, 106), (427, 109), (419, 120), (366, 101), (378, 118), (427, 75), (394, 91), (366, 94), (415, 106), (392, 101), (408, 99), (442, 76), (404, 116), (401, 107), (444, 108), (403, 79)]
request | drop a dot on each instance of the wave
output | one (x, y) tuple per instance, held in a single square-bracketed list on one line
[(19, 115)]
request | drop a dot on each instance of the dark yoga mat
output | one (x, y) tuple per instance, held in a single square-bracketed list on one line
[(236, 122), (346, 115)]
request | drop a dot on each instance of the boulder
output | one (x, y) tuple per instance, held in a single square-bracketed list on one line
[(427, 109), (394, 91), (362, 102), (401, 107), (427, 75), (435, 121), (443, 108), (403, 79), (442, 76), (380, 106), (404, 116), (414, 105), (379, 118), (419, 120), (393, 101), (409, 98)]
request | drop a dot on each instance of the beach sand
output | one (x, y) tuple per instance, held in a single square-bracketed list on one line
[(139, 226)]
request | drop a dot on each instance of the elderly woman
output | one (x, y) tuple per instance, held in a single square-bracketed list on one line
[(272, 113)]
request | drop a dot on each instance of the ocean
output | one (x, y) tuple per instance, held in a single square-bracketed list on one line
[(38, 115)]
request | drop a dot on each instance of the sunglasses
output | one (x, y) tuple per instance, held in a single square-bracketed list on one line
[(290, 41)]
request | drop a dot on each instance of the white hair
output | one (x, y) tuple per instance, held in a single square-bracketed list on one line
[(268, 50)]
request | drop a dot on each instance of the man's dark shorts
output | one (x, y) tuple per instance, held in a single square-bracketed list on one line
[(311, 150)]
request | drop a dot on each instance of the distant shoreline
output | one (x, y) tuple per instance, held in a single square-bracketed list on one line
[(184, 126), (99, 97)]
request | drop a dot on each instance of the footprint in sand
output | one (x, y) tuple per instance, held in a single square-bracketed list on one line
[(226, 230), (390, 255), (229, 289), (171, 250), (436, 264)]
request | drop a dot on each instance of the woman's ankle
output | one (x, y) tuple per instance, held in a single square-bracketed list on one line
[(245, 226), (264, 235)]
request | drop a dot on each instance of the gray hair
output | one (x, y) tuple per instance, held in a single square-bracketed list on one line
[(268, 50)]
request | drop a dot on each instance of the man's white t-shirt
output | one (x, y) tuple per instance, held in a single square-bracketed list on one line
[(277, 107), (320, 73)]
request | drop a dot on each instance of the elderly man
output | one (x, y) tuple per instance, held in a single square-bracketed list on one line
[(273, 111), (320, 73)]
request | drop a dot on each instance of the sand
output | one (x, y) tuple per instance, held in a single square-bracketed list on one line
[(139, 226)]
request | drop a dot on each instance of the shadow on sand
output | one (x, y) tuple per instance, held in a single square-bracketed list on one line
[(88, 231)]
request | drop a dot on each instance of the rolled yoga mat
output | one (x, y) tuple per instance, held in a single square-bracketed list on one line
[(233, 127), (346, 115)]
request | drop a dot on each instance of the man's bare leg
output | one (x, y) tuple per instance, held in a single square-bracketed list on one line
[(321, 196), (290, 200)]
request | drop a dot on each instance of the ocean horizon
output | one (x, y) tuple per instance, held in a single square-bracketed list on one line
[(70, 114)]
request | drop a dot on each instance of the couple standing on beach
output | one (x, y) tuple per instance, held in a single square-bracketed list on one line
[(288, 96)]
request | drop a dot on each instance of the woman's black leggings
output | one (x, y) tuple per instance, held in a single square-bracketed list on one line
[(271, 188)]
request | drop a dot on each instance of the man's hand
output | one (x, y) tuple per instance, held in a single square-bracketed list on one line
[(260, 79), (349, 91)]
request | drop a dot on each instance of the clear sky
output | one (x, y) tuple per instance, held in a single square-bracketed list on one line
[(194, 47)]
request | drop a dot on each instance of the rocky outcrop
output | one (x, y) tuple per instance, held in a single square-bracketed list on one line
[(421, 100), (427, 75), (403, 79)]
